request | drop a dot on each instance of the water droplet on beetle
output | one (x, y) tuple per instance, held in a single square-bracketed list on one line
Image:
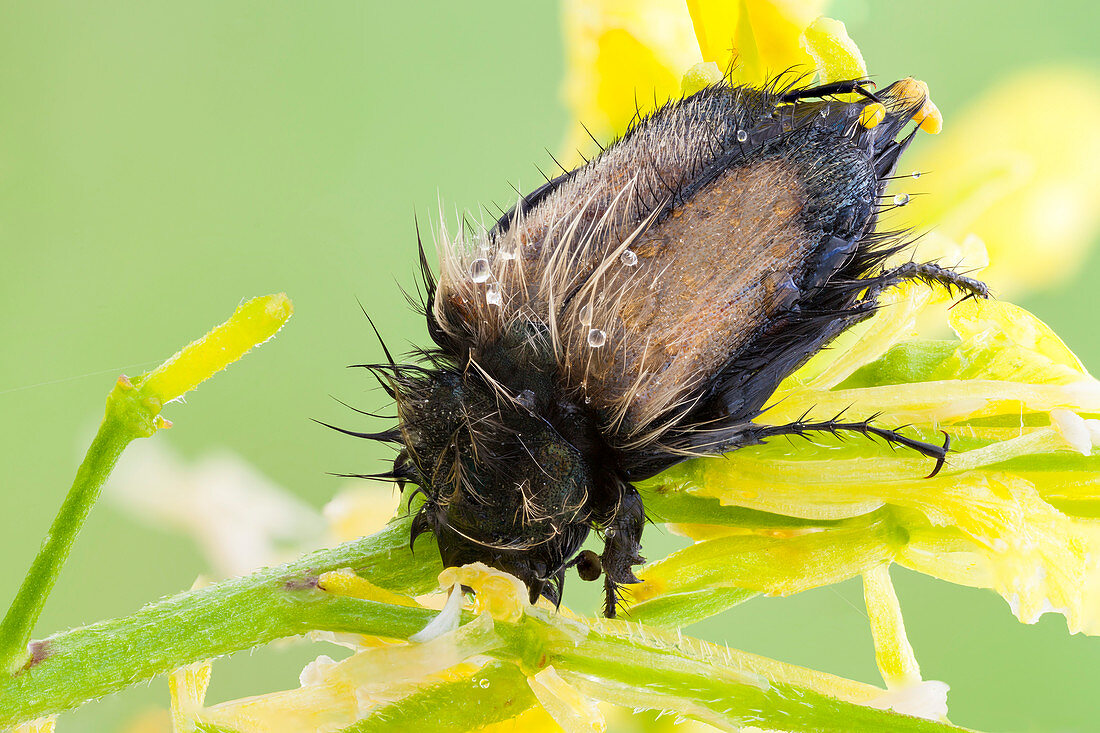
[(483, 683), (479, 270), (629, 257), (901, 199), (596, 338), (915, 174), (493, 295), (585, 315), (742, 136)]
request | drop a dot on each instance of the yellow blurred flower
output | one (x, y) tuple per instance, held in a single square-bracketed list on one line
[(623, 57), (41, 725)]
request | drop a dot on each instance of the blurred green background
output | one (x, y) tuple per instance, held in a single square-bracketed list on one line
[(159, 162)]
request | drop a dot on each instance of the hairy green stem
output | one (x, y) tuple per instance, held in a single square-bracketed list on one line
[(114, 434), (88, 662), (618, 662), (620, 670)]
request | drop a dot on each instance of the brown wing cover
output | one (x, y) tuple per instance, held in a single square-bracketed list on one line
[(688, 292)]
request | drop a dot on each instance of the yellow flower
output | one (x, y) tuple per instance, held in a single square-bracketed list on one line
[(625, 56), (1010, 510)]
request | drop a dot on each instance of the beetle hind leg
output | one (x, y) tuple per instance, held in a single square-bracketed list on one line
[(863, 427)]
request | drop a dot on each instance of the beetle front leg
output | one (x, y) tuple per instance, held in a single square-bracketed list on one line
[(622, 543)]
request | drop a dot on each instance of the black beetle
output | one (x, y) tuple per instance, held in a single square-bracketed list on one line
[(641, 310)]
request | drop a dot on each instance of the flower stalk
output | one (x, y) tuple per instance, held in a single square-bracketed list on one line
[(133, 411), (73, 667), (613, 661)]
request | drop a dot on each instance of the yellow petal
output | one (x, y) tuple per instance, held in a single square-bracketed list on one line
[(625, 56), (836, 55), (501, 594), (359, 511), (621, 55), (533, 720), (187, 687), (38, 725), (345, 582), (1047, 358), (574, 712), (333, 695), (1038, 559), (773, 565), (715, 25), (893, 653), (755, 39)]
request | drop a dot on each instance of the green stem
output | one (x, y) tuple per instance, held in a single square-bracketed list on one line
[(88, 662), (93, 661), (18, 624), (620, 670), (133, 411)]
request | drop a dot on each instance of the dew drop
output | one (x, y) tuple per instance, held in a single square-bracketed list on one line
[(742, 136), (483, 683), (915, 174), (629, 257), (901, 199), (596, 338), (586, 315), (479, 270), (493, 295)]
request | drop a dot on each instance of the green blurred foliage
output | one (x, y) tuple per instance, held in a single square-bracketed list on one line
[(161, 161)]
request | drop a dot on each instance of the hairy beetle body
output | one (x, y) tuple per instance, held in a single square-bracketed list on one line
[(641, 310)]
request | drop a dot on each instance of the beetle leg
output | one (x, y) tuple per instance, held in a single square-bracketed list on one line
[(929, 273), (864, 427), (852, 86), (622, 542)]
